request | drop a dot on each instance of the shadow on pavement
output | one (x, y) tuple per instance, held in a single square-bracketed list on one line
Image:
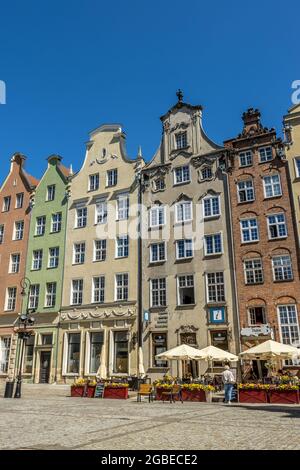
[(292, 411)]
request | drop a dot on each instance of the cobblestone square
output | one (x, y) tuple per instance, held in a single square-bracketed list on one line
[(44, 419)]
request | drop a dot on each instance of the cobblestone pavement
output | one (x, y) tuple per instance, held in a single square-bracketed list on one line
[(55, 421)]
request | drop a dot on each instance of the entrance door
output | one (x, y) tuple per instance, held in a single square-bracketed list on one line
[(45, 367)]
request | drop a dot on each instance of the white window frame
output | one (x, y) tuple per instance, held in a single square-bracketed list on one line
[(185, 276), (268, 223), (181, 140), (159, 290), (81, 220), (122, 244), (184, 177), (34, 294), (210, 199), (183, 204), (157, 214), (215, 253), (11, 300), (66, 353), (265, 157), (6, 203), (111, 181), (282, 267), (186, 242), (297, 169), (246, 154), (215, 284), (56, 222), (37, 262), (54, 257), (19, 230), (79, 292), (100, 289), (94, 182), (102, 249), (159, 260), (50, 196), (40, 225), (123, 287), (2, 230), (14, 265), (19, 200), (246, 190), (249, 229), (5, 353), (50, 295), (254, 270), (289, 324), (271, 185), (101, 212), (263, 307), (79, 255), (123, 207), (205, 177)]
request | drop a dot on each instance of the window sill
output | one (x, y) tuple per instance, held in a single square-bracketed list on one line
[(211, 217), (267, 198), (157, 309), (246, 202), (182, 183), (185, 306), (245, 166), (283, 280), (183, 260), (213, 255), (250, 242), (277, 238), (52, 267), (156, 263)]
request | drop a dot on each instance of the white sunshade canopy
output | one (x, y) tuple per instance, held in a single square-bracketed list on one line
[(182, 352), (211, 353), (269, 349)]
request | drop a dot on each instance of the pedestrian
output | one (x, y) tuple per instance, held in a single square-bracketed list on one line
[(228, 381)]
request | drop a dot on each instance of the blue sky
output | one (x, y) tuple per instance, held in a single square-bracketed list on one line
[(70, 66)]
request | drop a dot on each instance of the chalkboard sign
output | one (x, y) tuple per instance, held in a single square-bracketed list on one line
[(99, 390)]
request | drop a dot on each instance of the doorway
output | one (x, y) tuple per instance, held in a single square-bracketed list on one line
[(45, 360)]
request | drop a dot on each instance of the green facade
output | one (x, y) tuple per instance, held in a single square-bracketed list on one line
[(52, 236)]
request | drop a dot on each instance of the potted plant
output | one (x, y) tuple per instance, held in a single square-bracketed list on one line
[(193, 392), (284, 393), (253, 393), (90, 388), (116, 390), (160, 387), (78, 387)]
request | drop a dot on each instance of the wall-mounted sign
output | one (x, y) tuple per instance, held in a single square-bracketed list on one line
[(146, 316), (217, 314), (264, 330)]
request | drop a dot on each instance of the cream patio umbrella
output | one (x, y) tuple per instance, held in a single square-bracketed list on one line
[(271, 349), (184, 352), (211, 353)]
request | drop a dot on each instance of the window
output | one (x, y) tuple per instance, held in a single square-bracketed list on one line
[(277, 226), (19, 200), (246, 158), (159, 345), (213, 244), (53, 257), (157, 252), (1, 233), (184, 211), (37, 259), (123, 207), (81, 217), (257, 316), (253, 271), (40, 225), (6, 204), (94, 182), (34, 292), (185, 285), (159, 184), (79, 253), (289, 326), (77, 290), (28, 357), (50, 294), (73, 356), (50, 192), (181, 140), (122, 246), (4, 353), (265, 154), (101, 212), (158, 292), (249, 230), (297, 167), (96, 344), (272, 186), (184, 249), (19, 230), (15, 263), (245, 191), (282, 268), (98, 289), (112, 178), (182, 174), (122, 286), (99, 250), (206, 173), (11, 298), (121, 352), (56, 222), (46, 339), (211, 206), (157, 216), (215, 287)]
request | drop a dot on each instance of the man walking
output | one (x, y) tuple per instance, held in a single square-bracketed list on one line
[(228, 381)]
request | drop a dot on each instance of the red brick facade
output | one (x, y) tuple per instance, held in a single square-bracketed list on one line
[(266, 293)]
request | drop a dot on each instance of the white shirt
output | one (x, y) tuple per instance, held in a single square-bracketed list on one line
[(227, 377)]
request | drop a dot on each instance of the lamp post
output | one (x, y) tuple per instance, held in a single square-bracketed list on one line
[(24, 329)]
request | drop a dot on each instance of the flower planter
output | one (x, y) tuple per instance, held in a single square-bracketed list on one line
[(77, 390), (90, 391), (159, 396), (120, 393), (288, 397), (193, 395), (253, 396)]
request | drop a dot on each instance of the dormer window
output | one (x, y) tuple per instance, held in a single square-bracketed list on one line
[(206, 173), (181, 140)]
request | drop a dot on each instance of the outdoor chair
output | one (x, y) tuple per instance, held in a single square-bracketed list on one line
[(145, 390), (171, 394)]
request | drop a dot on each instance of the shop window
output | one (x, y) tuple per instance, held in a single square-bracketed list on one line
[(28, 356), (159, 345), (4, 354), (73, 357), (121, 352), (96, 344), (219, 339)]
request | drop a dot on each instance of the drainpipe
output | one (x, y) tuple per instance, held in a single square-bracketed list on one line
[(139, 280)]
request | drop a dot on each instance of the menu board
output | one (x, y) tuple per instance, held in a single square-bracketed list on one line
[(99, 390)]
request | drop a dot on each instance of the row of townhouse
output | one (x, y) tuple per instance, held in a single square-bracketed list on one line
[(125, 259)]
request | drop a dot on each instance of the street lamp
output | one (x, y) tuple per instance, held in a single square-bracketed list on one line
[(24, 329)]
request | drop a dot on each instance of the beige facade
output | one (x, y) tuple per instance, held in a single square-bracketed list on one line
[(188, 275), (292, 140), (98, 320)]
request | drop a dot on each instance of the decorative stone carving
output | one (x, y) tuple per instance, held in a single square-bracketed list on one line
[(117, 312)]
